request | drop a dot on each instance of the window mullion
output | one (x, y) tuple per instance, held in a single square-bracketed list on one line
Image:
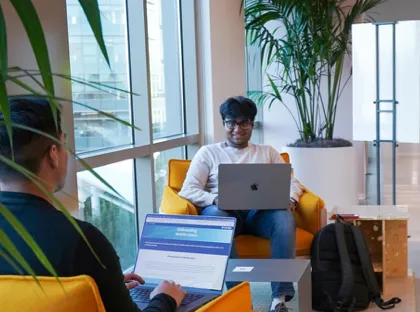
[(141, 106)]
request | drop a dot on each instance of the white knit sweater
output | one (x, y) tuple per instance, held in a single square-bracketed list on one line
[(201, 184)]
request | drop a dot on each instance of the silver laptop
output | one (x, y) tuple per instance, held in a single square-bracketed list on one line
[(192, 251), (254, 186)]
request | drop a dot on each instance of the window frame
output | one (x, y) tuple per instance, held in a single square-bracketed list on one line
[(144, 146)]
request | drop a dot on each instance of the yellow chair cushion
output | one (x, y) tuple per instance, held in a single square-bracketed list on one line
[(253, 247), (178, 169), (173, 204), (23, 294), (237, 299), (311, 213)]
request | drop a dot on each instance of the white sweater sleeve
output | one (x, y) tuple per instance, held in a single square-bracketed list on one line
[(296, 188), (195, 182)]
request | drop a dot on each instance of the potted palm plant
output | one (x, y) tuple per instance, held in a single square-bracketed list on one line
[(304, 46)]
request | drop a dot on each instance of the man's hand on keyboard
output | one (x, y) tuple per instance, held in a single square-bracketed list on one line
[(171, 289), (132, 280)]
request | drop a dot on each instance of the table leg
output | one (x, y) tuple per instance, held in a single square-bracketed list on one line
[(305, 290)]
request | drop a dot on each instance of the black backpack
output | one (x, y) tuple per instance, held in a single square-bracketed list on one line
[(342, 272)]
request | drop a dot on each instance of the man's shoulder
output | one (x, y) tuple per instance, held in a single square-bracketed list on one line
[(89, 230), (93, 237), (211, 149), (86, 226), (213, 146)]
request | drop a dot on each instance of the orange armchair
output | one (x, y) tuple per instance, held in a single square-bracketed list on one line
[(309, 217)]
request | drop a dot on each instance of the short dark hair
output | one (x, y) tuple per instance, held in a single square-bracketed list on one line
[(29, 147), (238, 106)]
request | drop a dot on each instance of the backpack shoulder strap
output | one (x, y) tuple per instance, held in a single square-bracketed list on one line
[(345, 293), (368, 273)]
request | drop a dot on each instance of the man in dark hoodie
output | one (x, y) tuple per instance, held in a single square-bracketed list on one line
[(64, 247)]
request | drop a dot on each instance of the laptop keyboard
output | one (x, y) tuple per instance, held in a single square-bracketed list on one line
[(142, 295)]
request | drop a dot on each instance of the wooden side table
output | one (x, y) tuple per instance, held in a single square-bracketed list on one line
[(385, 229), (387, 243)]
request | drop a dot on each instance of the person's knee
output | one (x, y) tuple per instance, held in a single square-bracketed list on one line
[(284, 223)]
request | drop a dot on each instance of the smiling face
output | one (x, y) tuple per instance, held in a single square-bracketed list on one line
[(238, 131), (238, 114)]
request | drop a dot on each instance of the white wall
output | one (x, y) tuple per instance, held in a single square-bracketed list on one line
[(222, 71), (54, 21), (397, 10)]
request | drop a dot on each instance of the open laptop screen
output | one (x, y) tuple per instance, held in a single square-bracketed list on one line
[(191, 250)]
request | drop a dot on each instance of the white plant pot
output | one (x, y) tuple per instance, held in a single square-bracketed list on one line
[(329, 173)]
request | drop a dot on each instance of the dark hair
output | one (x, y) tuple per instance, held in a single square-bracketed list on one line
[(29, 147), (238, 106)]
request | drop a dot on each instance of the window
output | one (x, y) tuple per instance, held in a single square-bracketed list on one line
[(94, 131), (133, 162), (165, 67), (112, 214)]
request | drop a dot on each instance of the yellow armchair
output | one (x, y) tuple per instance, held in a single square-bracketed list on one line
[(22, 294), (309, 217), (236, 299)]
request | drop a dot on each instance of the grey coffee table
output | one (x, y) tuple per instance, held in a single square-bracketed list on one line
[(275, 270)]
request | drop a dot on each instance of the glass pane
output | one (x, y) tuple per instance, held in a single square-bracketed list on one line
[(161, 169), (165, 68), (94, 131), (112, 215)]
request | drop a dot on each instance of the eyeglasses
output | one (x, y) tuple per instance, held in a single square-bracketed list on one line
[(232, 124)]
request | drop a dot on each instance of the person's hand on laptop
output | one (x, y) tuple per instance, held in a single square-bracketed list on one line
[(132, 280), (171, 289)]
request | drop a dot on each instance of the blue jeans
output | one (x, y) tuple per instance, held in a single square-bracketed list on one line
[(277, 225)]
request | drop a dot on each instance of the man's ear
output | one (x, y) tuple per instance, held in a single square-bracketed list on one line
[(53, 156)]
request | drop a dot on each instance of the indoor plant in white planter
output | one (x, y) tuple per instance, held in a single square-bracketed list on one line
[(303, 45)]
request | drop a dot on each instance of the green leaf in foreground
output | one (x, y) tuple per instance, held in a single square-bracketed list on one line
[(5, 110), (32, 24), (93, 15), (4, 103), (3, 43)]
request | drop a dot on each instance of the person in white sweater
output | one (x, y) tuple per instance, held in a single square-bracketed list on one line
[(201, 188)]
